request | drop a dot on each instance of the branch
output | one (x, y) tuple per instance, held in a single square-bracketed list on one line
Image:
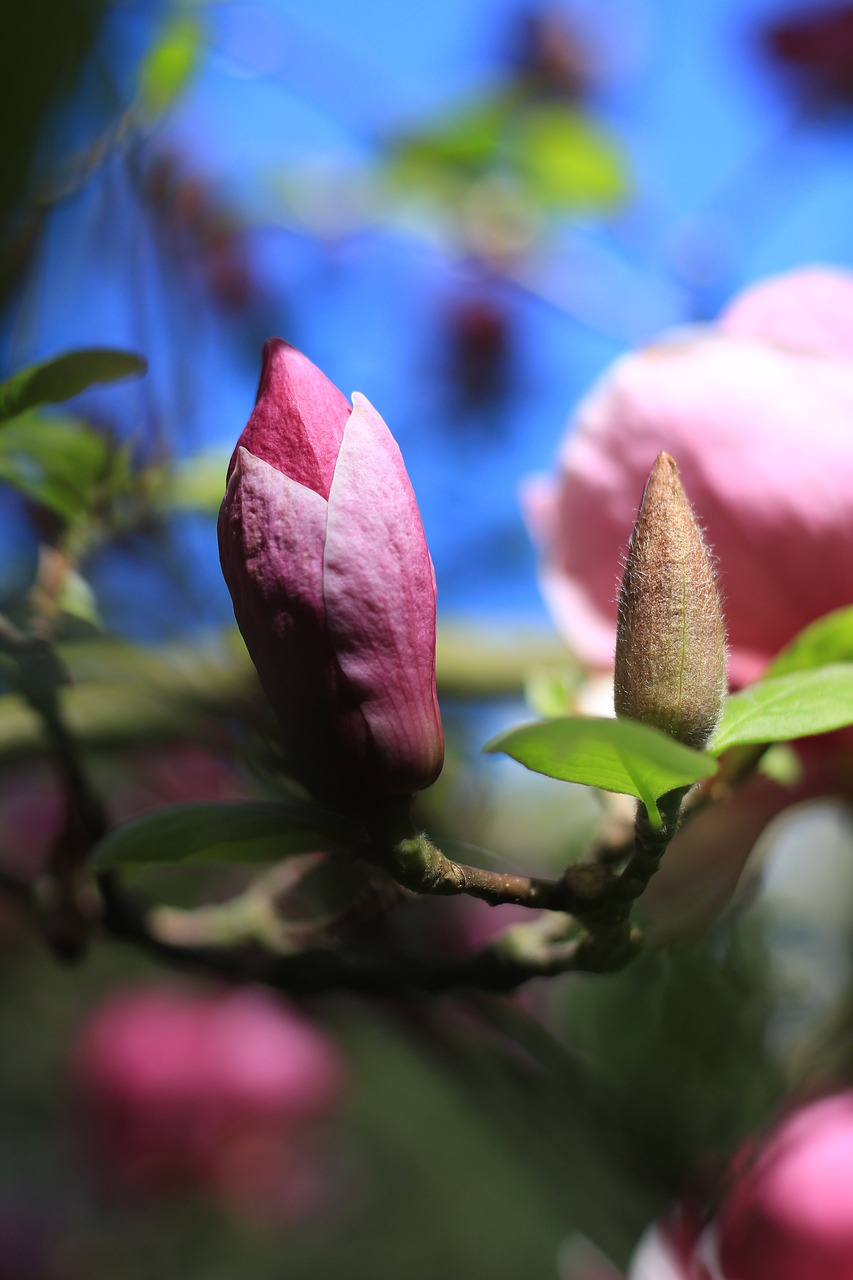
[(40, 674), (523, 952)]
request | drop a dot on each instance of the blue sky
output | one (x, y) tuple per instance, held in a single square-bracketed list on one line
[(726, 189)]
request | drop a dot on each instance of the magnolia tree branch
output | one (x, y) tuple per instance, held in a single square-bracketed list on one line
[(541, 949), (40, 674), (585, 925)]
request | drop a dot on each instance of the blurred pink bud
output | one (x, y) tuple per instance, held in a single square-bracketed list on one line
[(757, 410), (816, 45), (221, 1092), (786, 1212), (325, 557)]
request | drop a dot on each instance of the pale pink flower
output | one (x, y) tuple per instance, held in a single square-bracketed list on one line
[(757, 412)]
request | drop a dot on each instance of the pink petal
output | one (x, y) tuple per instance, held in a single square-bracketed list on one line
[(538, 498), (790, 1213), (811, 309), (271, 536), (380, 601), (298, 420), (657, 1259)]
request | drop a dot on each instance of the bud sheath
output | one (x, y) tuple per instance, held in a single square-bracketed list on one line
[(671, 641)]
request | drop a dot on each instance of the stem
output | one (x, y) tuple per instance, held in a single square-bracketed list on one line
[(650, 844), (40, 674), (523, 952), (420, 866)]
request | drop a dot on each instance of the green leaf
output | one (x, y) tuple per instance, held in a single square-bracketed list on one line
[(168, 67), (550, 694), (779, 708), (566, 162), (254, 831), (615, 755), (77, 599), (55, 462), (196, 484), (829, 639), (466, 143), (65, 376)]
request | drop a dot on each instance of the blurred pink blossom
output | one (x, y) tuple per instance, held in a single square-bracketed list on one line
[(134, 782), (786, 1211), (222, 1092), (756, 410)]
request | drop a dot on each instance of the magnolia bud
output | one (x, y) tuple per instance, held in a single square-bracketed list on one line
[(670, 640), (324, 554)]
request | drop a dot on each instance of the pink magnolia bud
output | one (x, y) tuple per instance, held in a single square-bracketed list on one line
[(324, 554), (789, 1210), (223, 1092), (786, 1210)]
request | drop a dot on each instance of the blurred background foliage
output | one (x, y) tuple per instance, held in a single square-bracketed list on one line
[(464, 211)]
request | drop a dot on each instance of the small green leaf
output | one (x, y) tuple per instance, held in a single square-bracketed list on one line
[(65, 376), (829, 639), (567, 162), (196, 484), (168, 67), (550, 694), (466, 142), (55, 462), (254, 831), (780, 708), (615, 755), (77, 599)]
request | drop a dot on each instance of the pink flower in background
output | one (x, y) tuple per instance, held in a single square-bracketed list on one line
[(228, 1093), (324, 554), (32, 806), (757, 412), (786, 1211)]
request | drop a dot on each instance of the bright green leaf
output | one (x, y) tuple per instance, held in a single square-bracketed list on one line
[(55, 462), (829, 639), (170, 64), (550, 694), (77, 599), (566, 161), (780, 708), (466, 142), (615, 755), (65, 376), (254, 831)]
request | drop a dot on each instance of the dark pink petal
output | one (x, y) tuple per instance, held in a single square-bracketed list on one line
[(298, 420), (271, 536), (380, 602), (789, 1213)]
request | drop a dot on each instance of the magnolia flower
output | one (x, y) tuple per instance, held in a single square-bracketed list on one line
[(786, 1210), (756, 411), (220, 1092), (325, 557)]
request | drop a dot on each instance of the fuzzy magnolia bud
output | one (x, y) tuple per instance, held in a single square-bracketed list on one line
[(670, 641)]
